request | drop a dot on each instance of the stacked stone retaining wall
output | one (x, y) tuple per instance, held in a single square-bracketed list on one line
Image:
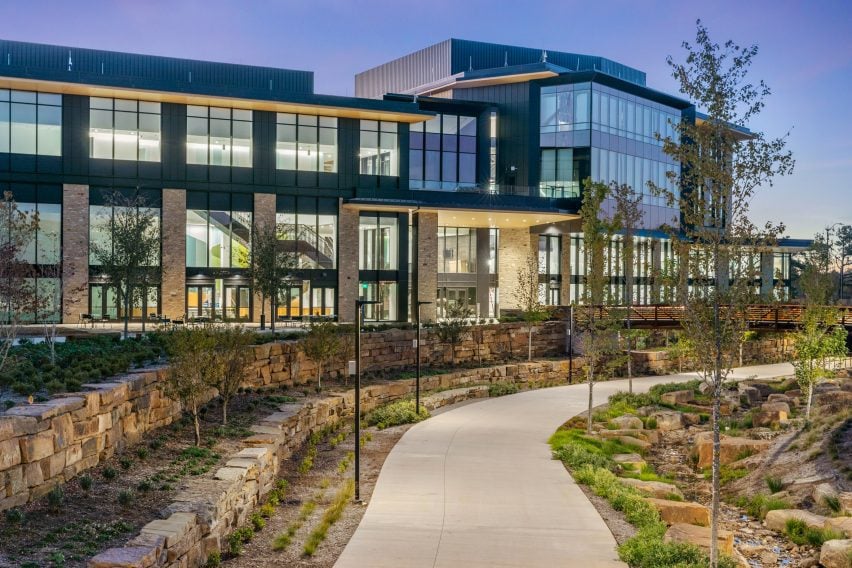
[(758, 352)]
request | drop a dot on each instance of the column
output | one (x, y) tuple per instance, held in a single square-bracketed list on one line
[(264, 216), (767, 274), (513, 254), (75, 252), (173, 262), (425, 265), (483, 275), (347, 262), (656, 270), (565, 269)]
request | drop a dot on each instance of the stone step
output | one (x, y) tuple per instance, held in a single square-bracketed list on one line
[(700, 536), (672, 512)]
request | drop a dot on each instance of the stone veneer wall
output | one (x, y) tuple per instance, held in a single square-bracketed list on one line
[(283, 363), (513, 254), (75, 252), (206, 511), (173, 286), (754, 353), (348, 220)]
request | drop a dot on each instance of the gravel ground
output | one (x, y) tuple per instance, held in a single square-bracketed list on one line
[(302, 487)]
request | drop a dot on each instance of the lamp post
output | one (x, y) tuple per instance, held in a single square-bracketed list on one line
[(417, 345), (571, 344), (359, 316)]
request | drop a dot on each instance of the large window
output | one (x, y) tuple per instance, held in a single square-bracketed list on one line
[(30, 123), (218, 136), (219, 235), (378, 242), (101, 214), (386, 294), (634, 118), (379, 152), (442, 152), (565, 108), (456, 250), (124, 130), (308, 227), (610, 166), (45, 201), (549, 269), (560, 172), (306, 142)]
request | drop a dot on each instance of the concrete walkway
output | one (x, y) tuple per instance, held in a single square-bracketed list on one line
[(476, 487)]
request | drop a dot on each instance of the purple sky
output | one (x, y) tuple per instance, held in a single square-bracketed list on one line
[(806, 55)]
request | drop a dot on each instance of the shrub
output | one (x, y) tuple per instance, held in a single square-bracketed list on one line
[(257, 521), (55, 498), (14, 516), (647, 550), (396, 413), (238, 538), (125, 463), (109, 473), (267, 510), (800, 533), (143, 486), (125, 497), (758, 505), (502, 389), (86, 482), (775, 484), (213, 560), (833, 503), (141, 452), (651, 423)]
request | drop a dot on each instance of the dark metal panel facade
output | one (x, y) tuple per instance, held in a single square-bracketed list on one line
[(77, 65), (412, 70)]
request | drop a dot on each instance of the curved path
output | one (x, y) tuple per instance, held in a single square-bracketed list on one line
[(476, 487)]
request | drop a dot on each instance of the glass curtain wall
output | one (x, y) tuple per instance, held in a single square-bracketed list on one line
[(218, 238), (549, 269), (30, 123), (308, 227), (378, 242), (456, 250)]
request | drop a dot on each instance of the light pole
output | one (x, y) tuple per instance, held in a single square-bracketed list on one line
[(359, 315), (571, 344), (417, 389)]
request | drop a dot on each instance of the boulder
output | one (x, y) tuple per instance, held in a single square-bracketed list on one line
[(631, 441), (777, 520), (673, 512), (678, 397), (833, 402), (764, 389), (778, 397), (668, 420), (630, 461), (842, 525), (657, 489), (749, 396), (845, 499), (700, 536), (627, 422), (772, 413), (651, 436), (836, 554), (822, 492), (731, 448)]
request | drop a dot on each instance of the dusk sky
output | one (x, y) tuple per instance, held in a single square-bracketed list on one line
[(805, 55)]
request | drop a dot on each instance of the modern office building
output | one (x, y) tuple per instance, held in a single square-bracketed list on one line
[(450, 167)]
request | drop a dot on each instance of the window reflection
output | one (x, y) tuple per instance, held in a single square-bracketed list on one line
[(30, 123), (379, 143), (218, 136), (442, 152)]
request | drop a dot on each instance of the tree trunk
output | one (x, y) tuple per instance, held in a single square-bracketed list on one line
[(272, 316), (225, 402), (319, 377), (197, 424), (808, 405), (717, 396), (529, 344), (126, 315), (591, 388)]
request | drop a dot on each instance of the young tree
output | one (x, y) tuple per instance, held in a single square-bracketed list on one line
[(597, 327), (270, 265), (721, 168), (129, 256), (17, 292), (321, 345), (527, 296), (628, 219), (844, 256), (233, 353), (193, 364), (452, 328)]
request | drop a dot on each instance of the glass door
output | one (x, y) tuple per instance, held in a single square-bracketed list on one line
[(200, 301), (237, 302)]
